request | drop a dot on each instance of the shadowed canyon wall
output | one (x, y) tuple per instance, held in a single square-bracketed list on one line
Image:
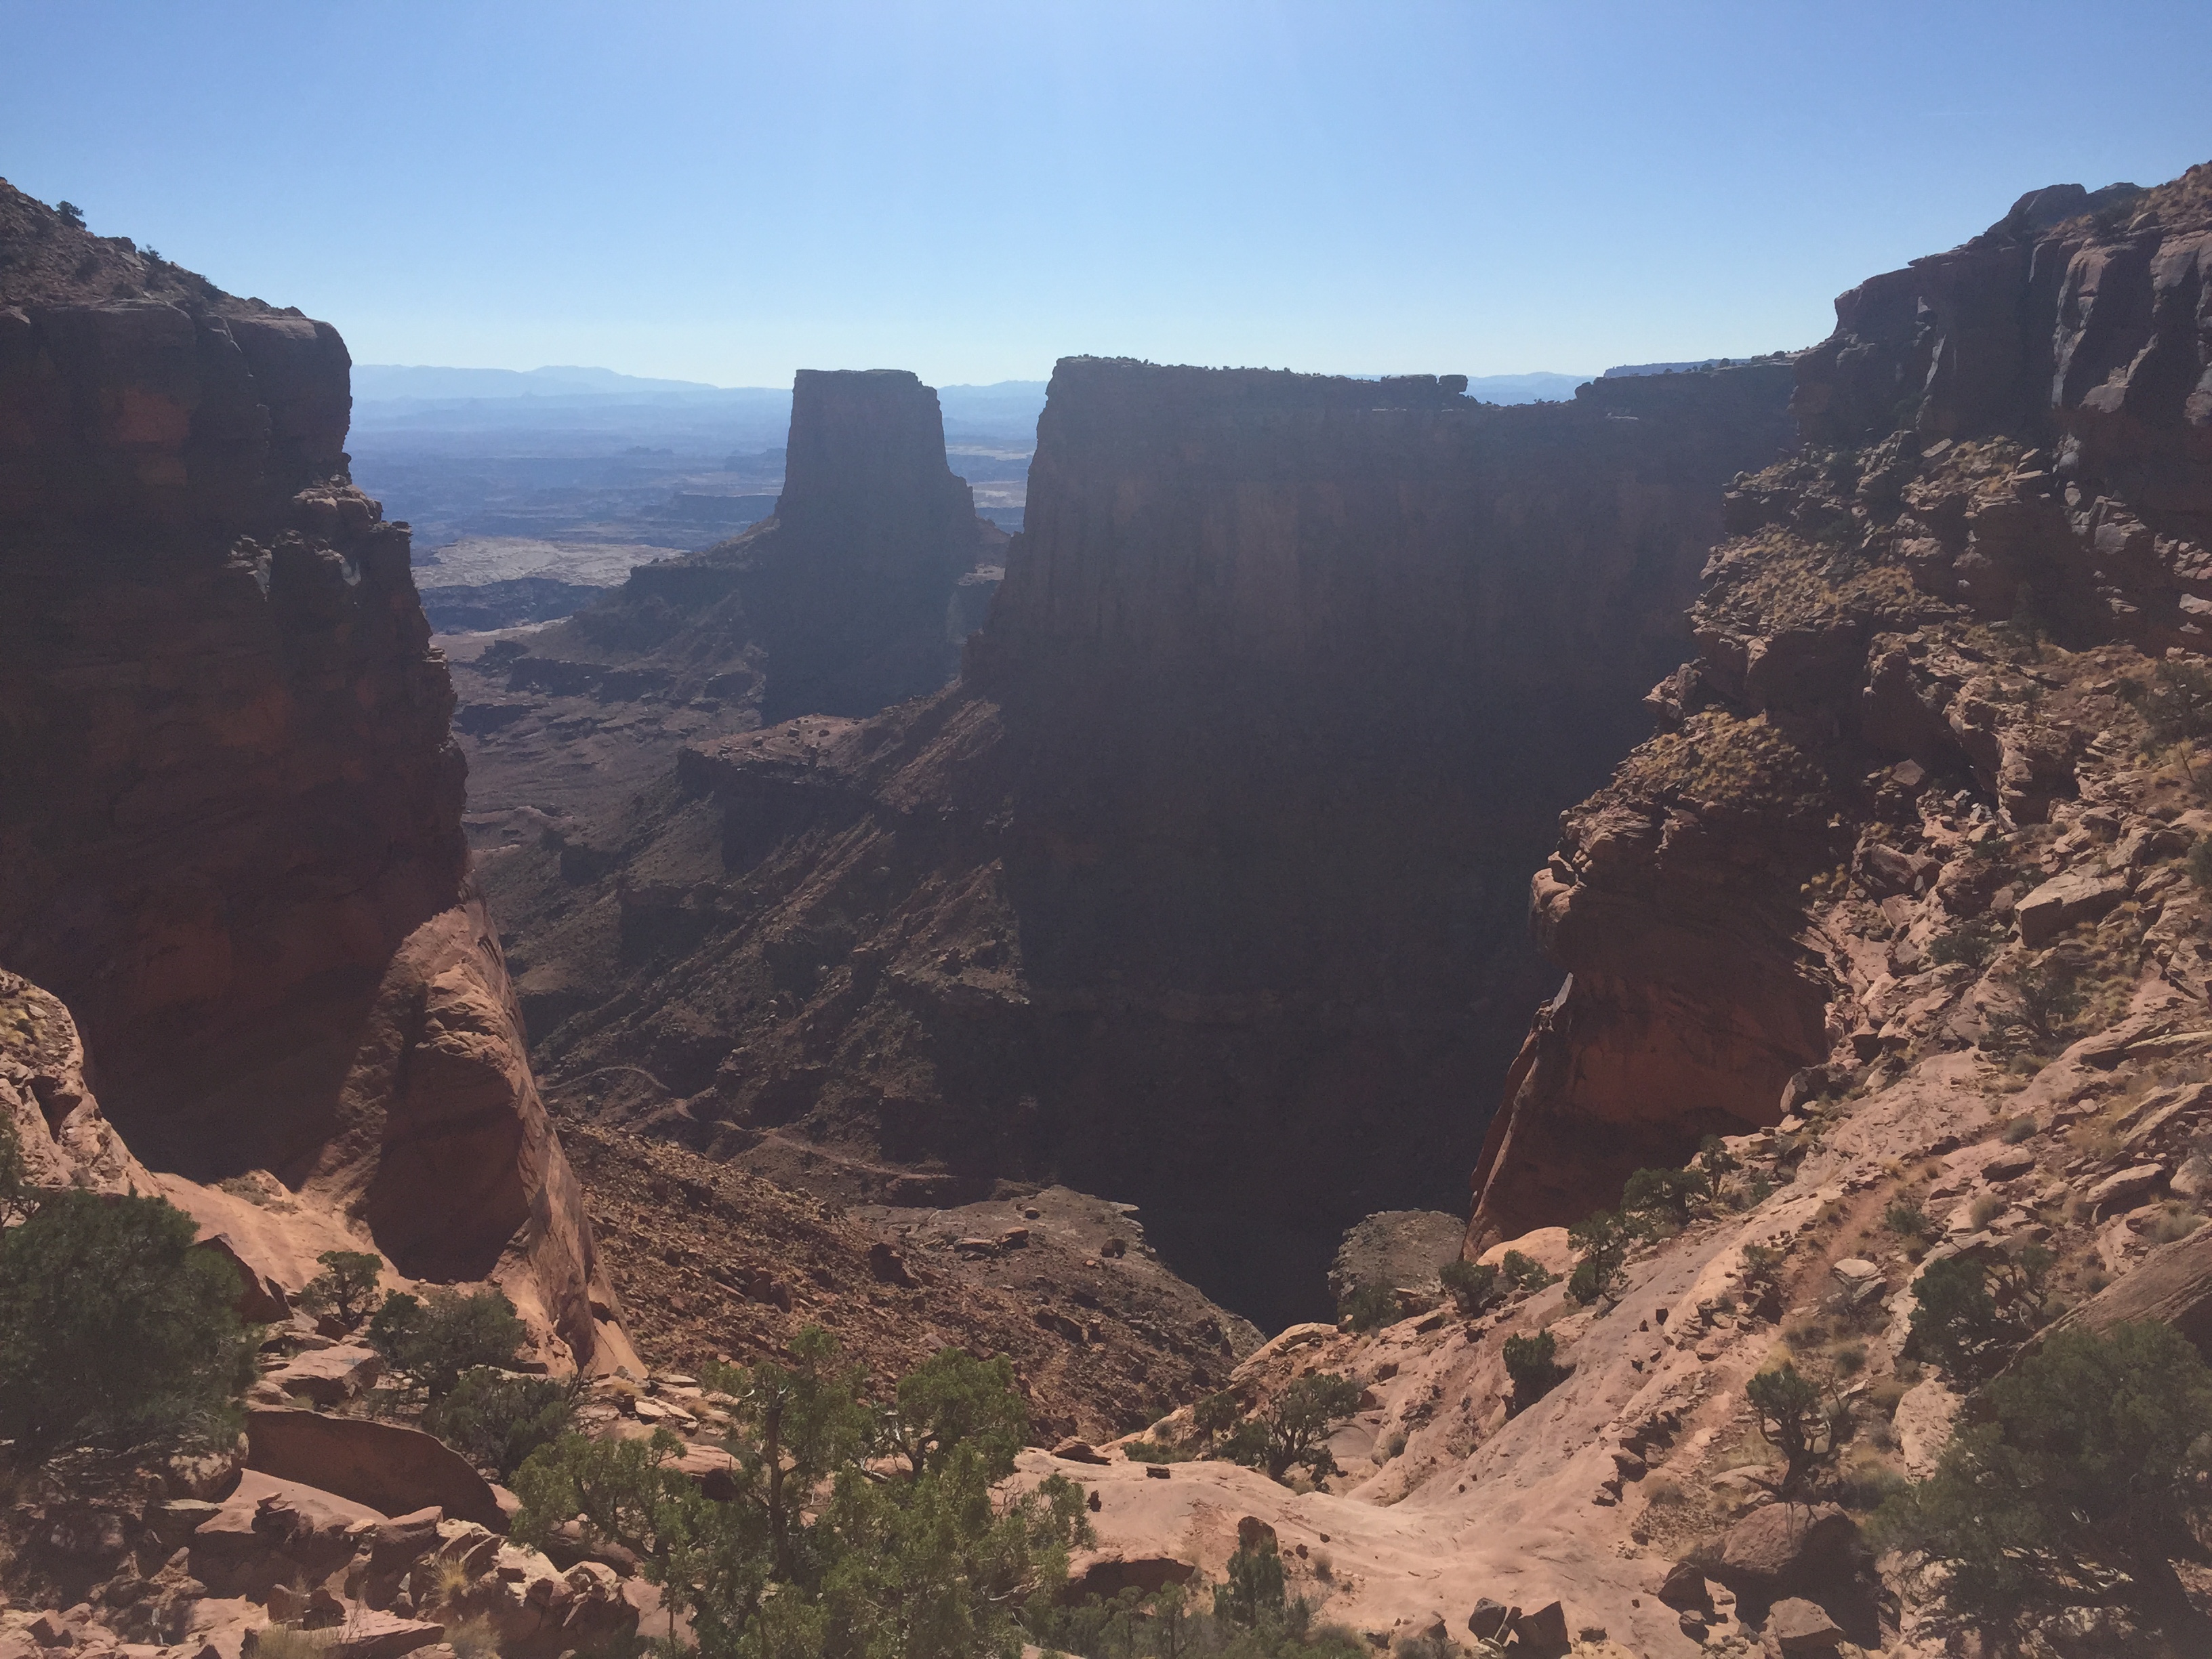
[(229, 836), (1204, 887), (2008, 442)]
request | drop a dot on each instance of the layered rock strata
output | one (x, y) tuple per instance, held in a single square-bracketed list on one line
[(1210, 862), (2006, 444), (854, 595), (230, 841)]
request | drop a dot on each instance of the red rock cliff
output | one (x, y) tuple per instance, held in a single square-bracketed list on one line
[(2015, 435), (229, 839)]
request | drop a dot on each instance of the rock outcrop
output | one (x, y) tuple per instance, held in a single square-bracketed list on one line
[(1210, 860), (854, 595), (2006, 443), (230, 841)]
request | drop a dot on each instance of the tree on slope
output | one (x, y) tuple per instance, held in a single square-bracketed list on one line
[(2093, 1456), (114, 1332)]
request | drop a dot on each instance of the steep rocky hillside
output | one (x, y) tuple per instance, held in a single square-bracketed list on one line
[(1927, 625), (1203, 887), (230, 839), (854, 595)]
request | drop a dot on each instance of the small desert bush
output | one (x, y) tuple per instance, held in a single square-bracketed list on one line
[(1472, 1285), (1907, 1220), (114, 1331), (1529, 1362), (1367, 1307)]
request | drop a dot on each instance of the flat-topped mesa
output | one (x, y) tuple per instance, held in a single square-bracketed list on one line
[(2017, 433), (1188, 520), (1215, 856), (230, 838), (870, 444), (846, 600)]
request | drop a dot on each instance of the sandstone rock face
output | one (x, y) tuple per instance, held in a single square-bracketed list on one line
[(65, 1140), (392, 1468), (231, 842), (2016, 433), (1208, 861)]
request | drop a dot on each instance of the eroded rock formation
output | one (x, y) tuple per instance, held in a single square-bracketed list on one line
[(2009, 441), (1211, 862), (230, 837), (854, 595)]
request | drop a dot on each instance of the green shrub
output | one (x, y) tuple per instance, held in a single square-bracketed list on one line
[(1668, 1193), (1525, 1274), (2091, 1458), (1367, 1307), (1715, 1158), (115, 1332), (71, 215), (2199, 863), (1907, 1220), (436, 1338), (2175, 703), (1529, 1362), (1252, 1592), (2019, 1130), (1762, 1272), (1215, 1415), (1472, 1286), (18, 1198), (345, 1287), (857, 1526), (1292, 1430), (1603, 1241), (1974, 943), (496, 1419), (1794, 1419), (1155, 1451), (1971, 1313)]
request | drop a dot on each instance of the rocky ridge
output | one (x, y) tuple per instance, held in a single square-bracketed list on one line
[(1205, 862), (231, 842)]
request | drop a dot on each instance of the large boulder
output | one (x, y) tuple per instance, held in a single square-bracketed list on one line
[(1786, 1547), (2077, 896), (328, 1376), (395, 1469), (273, 1531)]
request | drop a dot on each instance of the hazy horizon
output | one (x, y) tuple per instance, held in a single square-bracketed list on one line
[(724, 194)]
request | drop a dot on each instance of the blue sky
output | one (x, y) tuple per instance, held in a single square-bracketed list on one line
[(726, 192)]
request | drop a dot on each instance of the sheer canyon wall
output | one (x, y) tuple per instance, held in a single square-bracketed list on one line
[(229, 836), (1204, 887)]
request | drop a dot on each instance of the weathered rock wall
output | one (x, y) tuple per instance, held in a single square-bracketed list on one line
[(2009, 441), (230, 840), (1203, 887)]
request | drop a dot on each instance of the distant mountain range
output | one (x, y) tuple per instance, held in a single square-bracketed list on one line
[(991, 405)]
